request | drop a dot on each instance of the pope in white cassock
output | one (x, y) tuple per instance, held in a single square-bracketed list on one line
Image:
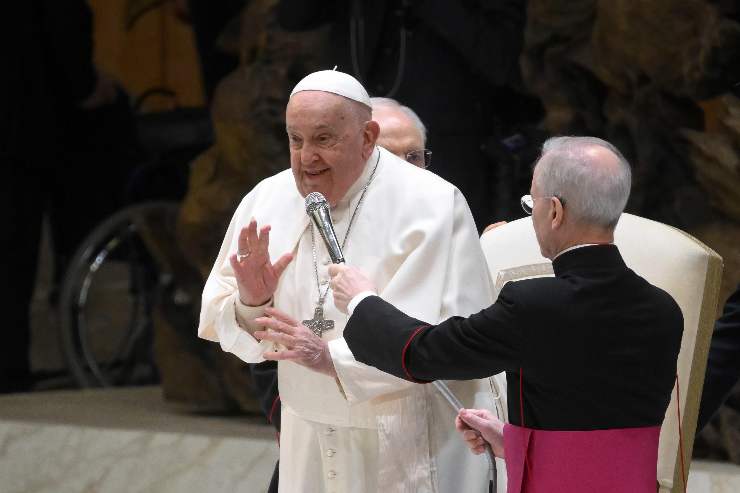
[(347, 427)]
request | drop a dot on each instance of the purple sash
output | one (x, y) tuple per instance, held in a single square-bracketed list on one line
[(608, 461)]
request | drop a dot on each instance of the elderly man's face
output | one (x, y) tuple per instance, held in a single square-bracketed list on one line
[(398, 133), (329, 143)]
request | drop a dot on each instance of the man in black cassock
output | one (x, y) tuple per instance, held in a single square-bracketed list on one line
[(593, 348)]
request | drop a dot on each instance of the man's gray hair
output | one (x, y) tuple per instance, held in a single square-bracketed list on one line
[(392, 103), (594, 192)]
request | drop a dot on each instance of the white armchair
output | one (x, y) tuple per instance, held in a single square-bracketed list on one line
[(666, 257)]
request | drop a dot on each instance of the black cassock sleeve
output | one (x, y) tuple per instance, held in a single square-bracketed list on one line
[(481, 345)]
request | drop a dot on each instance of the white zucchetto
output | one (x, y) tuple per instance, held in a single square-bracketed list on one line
[(336, 83)]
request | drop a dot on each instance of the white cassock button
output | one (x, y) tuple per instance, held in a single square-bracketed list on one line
[(331, 475), (329, 430), (330, 452), (324, 282)]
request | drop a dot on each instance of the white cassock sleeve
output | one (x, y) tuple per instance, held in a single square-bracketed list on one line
[(223, 318), (445, 275)]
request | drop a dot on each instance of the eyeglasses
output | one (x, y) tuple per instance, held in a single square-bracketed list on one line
[(420, 157), (527, 202)]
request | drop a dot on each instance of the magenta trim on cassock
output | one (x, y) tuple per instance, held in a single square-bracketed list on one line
[(605, 461)]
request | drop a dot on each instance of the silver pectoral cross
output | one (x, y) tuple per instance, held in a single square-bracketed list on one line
[(318, 324)]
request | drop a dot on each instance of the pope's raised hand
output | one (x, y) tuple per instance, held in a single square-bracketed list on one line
[(346, 283), (256, 276)]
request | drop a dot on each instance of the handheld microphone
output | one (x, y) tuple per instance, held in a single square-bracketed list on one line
[(317, 209)]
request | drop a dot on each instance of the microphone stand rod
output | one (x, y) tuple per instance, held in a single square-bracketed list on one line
[(457, 406)]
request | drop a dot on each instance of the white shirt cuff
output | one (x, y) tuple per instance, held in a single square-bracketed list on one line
[(246, 314), (356, 300)]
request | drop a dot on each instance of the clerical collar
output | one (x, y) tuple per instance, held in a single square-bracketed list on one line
[(589, 257), (575, 247), (360, 182)]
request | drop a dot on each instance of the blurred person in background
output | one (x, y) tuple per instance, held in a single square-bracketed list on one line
[(401, 131)]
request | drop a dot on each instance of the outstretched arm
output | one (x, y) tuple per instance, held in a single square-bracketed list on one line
[(458, 348)]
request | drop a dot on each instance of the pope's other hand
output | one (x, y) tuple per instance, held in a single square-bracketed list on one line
[(256, 276), (300, 344), (346, 283)]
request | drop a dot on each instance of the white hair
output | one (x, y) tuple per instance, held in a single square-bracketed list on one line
[(392, 103), (594, 191)]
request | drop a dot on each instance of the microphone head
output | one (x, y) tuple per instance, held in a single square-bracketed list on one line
[(318, 210), (314, 200)]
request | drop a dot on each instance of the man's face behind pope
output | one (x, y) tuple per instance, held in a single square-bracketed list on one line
[(330, 138)]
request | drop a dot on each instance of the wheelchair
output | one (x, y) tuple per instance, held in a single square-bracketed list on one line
[(125, 263)]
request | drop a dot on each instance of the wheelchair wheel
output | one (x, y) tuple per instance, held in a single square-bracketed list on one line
[(108, 295)]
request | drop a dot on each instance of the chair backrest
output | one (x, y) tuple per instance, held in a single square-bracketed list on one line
[(668, 258)]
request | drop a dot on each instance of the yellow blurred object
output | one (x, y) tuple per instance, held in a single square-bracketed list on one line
[(137, 8), (143, 45)]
